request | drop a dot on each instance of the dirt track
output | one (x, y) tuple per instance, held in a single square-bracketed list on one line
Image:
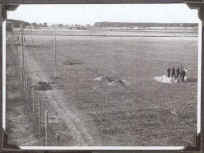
[(57, 98)]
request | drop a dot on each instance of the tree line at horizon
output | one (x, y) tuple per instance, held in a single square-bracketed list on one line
[(11, 23)]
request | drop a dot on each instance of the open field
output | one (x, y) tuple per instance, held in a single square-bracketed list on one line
[(111, 32), (105, 94)]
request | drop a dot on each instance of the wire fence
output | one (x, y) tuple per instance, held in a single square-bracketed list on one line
[(36, 105)]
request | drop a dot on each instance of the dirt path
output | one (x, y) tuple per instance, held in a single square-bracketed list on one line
[(57, 99)]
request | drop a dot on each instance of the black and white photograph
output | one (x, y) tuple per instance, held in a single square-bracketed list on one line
[(101, 75)]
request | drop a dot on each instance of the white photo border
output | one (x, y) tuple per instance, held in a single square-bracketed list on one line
[(6, 147)]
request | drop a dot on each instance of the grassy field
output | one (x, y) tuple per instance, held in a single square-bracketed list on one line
[(107, 82), (20, 128)]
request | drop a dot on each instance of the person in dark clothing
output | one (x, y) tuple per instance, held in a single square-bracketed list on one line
[(169, 72), (173, 73), (177, 72), (183, 74)]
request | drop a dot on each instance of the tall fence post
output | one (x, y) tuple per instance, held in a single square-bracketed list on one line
[(46, 127), (33, 99), (58, 139), (39, 115), (55, 53)]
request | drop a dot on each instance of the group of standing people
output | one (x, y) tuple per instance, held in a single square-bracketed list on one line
[(177, 74)]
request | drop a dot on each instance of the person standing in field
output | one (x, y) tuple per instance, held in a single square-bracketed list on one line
[(183, 74), (173, 73), (169, 72), (177, 72)]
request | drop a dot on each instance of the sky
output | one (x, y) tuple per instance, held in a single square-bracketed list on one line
[(91, 13)]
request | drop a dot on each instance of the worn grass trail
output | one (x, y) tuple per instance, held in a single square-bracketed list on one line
[(57, 99)]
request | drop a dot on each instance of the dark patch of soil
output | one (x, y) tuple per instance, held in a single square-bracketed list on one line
[(71, 61), (43, 86)]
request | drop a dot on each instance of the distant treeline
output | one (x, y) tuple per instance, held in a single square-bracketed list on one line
[(17, 23), (10, 24), (129, 24)]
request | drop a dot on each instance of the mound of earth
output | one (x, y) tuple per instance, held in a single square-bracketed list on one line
[(43, 86), (111, 81), (71, 61), (163, 79)]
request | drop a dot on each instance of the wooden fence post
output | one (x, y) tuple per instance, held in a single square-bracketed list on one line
[(28, 86), (39, 115), (33, 100), (46, 127), (58, 139), (55, 53), (22, 48)]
